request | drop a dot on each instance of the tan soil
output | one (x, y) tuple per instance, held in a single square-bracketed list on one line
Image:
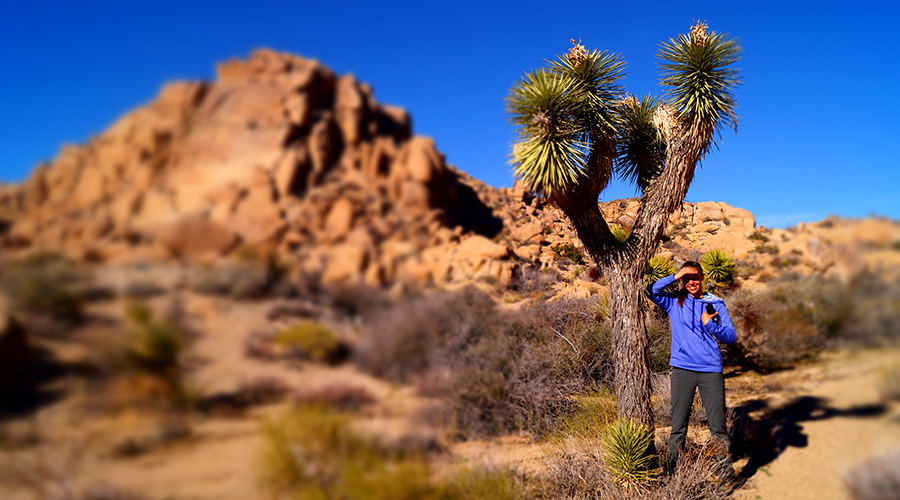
[(848, 424)]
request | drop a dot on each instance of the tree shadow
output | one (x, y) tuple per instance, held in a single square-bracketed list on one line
[(765, 439), (37, 388)]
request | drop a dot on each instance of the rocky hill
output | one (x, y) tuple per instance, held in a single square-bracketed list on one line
[(281, 154)]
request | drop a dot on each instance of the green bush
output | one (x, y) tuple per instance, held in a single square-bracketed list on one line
[(619, 232), (758, 235), (311, 340), (312, 453), (571, 252), (658, 267), (41, 284), (769, 249), (626, 452), (719, 269), (496, 372), (156, 348)]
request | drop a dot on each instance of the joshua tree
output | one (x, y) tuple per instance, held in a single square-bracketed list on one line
[(577, 128)]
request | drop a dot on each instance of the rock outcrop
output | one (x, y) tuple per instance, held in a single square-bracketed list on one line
[(282, 155), (278, 153)]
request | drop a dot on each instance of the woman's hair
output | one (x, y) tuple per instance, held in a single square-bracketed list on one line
[(682, 292)]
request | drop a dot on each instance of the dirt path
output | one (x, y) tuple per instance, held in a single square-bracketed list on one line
[(827, 429)]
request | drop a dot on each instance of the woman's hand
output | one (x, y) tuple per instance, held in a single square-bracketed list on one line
[(705, 317)]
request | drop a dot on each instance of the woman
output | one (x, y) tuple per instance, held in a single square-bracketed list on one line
[(698, 321)]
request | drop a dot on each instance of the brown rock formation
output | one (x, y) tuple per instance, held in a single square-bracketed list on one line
[(278, 152)]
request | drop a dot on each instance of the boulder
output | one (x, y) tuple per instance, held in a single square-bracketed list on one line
[(196, 237), (345, 262), (707, 211), (532, 232), (339, 220)]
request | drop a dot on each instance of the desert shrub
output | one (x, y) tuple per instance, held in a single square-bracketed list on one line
[(661, 396), (872, 308), (719, 269), (570, 252), (43, 284), (469, 484), (765, 248), (497, 372), (313, 341), (619, 232), (260, 345), (877, 478), (336, 395), (107, 492), (312, 453), (353, 300), (771, 335), (889, 383), (240, 279), (626, 452), (579, 474), (759, 236), (155, 350), (659, 336), (594, 273), (142, 289), (591, 413), (658, 267)]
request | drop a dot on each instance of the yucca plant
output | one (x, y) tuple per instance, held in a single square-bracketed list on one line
[(619, 233), (577, 127), (657, 267), (626, 453), (718, 268), (601, 306)]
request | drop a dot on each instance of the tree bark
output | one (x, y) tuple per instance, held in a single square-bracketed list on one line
[(623, 264)]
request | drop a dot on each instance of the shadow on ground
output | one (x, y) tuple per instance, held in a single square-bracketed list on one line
[(36, 388), (763, 440)]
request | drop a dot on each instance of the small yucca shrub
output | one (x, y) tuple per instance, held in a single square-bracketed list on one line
[(311, 339), (626, 453), (719, 268), (156, 347), (571, 252), (659, 267), (619, 232)]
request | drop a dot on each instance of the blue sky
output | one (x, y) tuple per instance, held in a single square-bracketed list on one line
[(818, 107)]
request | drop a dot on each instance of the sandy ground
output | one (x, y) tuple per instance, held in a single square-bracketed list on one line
[(830, 418), (828, 429)]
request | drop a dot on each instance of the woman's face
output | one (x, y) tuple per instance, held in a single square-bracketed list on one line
[(693, 281)]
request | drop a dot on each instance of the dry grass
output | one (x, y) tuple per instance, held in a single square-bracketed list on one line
[(875, 479)]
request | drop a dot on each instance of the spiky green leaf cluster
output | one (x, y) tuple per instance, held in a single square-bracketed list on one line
[(596, 82), (718, 266), (626, 452), (641, 148), (560, 113), (618, 232), (657, 267), (601, 306), (699, 78)]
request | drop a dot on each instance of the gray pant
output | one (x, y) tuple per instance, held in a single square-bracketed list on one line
[(712, 392)]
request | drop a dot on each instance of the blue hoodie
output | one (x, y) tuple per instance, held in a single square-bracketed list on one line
[(694, 344)]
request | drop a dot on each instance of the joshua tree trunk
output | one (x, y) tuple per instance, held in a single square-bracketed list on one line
[(623, 265)]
